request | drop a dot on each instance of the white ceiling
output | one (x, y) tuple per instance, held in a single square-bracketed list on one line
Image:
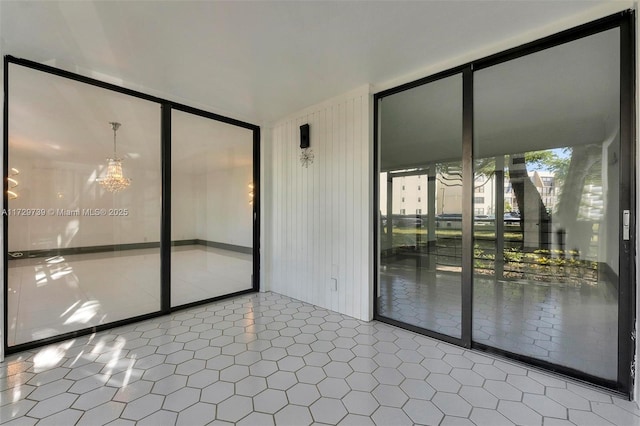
[(58, 120), (55, 119), (560, 97), (260, 61)]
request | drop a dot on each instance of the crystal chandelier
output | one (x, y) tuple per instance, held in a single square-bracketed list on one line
[(114, 181)]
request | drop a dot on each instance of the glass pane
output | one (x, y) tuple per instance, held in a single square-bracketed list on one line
[(79, 254), (546, 230), (211, 208), (421, 206)]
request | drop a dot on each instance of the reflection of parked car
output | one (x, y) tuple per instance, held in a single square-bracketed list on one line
[(449, 216), (404, 222), (483, 220), (510, 217)]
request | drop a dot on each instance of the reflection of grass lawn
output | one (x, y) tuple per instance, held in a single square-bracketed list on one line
[(488, 234), (558, 267)]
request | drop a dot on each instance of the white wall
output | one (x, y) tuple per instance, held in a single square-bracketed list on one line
[(53, 185), (183, 207), (223, 211), (320, 216), (212, 168), (211, 206)]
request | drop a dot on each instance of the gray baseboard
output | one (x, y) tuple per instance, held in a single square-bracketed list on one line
[(68, 251), (225, 246)]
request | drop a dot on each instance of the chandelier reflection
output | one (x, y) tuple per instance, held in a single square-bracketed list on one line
[(114, 181)]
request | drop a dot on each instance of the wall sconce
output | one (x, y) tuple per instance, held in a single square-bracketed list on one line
[(306, 156), (13, 183), (250, 186)]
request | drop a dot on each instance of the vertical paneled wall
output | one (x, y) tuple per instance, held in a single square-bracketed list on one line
[(320, 215)]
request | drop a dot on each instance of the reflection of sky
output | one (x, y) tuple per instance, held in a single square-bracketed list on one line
[(561, 153)]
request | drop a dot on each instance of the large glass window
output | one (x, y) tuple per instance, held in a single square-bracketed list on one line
[(89, 189), (547, 141), (505, 204), (420, 253), (79, 255), (212, 208)]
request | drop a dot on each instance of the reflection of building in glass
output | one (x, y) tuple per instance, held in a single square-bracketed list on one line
[(545, 184), (410, 194)]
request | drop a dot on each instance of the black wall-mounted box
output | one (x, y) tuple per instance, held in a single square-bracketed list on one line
[(304, 136)]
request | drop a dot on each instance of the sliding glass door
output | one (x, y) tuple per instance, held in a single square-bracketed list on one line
[(421, 207), (212, 208), (118, 206), (504, 203), (83, 248), (547, 143)]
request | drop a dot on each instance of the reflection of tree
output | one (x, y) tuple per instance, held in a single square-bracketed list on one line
[(572, 171), (527, 193), (528, 199)]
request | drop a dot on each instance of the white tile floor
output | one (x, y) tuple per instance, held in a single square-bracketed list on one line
[(265, 359), (51, 296), (199, 272)]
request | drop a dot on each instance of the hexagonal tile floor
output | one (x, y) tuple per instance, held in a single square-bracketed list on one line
[(264, 359), (561, 324)]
